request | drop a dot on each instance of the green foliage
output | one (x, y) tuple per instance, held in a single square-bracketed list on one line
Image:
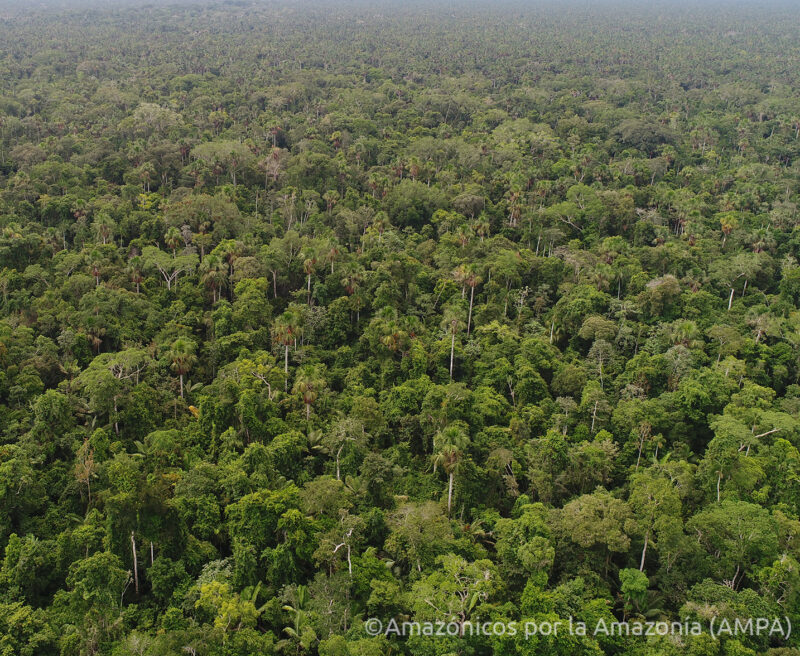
[(476, 312)]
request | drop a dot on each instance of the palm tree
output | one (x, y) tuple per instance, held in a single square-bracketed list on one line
[(135, 269), (300, 629), (394, 337), (762, 240), (285, 330), (103, 227), (463, 234), (95, 262), (380, 223), (377, 181), (481, 226), (95, 329), (331, 198), (214, 275), (6, 278), (451, 323), (332, 253), (460, 274), (351, 278), (472, 280), (728, 224), (202, 239), (12, 231), (181, 353), (414, 167), (449, 446), (685, 333), (229, 251), (173, 239), (307, 384), (600, 276), (309, 266)]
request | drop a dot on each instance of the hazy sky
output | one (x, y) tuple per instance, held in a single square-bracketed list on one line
[(9, 9), (21, 5)]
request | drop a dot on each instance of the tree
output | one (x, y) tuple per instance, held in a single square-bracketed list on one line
[(169, 267), (346, 432), (524, 544), (224, 155), (299, 632), (97, 586), (136, 267), (418, 533), (728, 457), (308, 383), (103, 386), (231, 611), (309, 265), (742, 266), (182, 357), (214, 274), (601, 354), (597, 519), (86, 469), (656, 506), (411, 203), (449, 447), (451, 323), (262, 367), (285, 330), (210, 218), (456, 591), (610, 240), (104, 227), (737, 537), (341, 540), (472, 280), (173, 239), (633, 585)]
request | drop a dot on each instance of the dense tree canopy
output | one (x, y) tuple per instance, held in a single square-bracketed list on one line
[(310, 314)]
